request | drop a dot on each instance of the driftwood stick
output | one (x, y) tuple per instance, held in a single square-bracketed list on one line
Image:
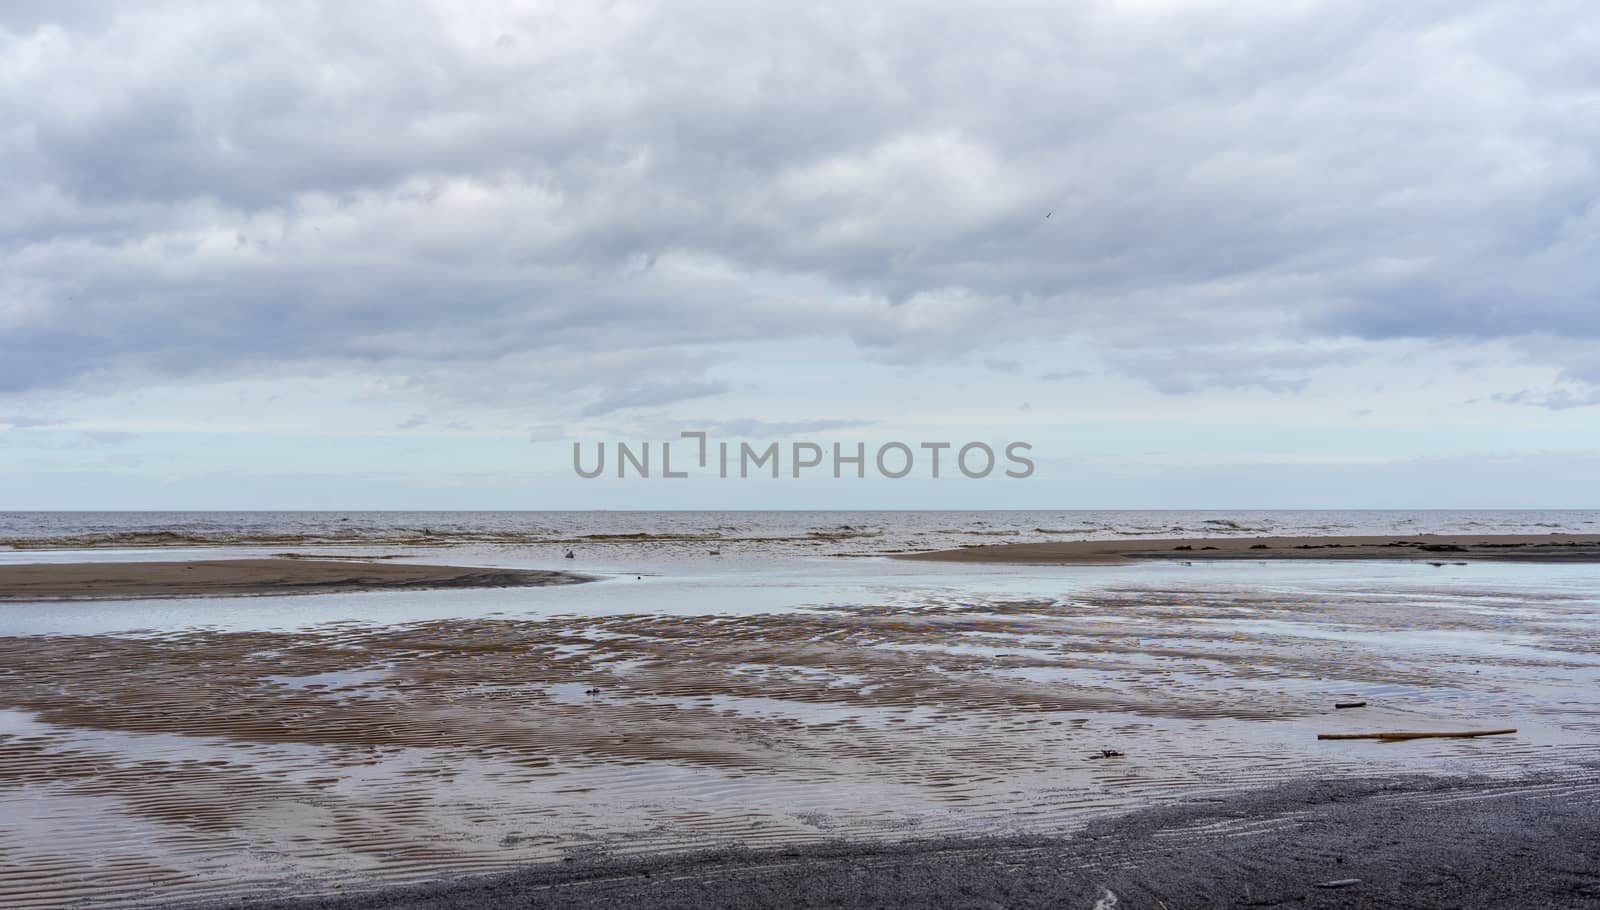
[(1397, 736)]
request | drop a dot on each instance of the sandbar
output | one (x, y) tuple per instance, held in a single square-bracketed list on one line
[(1422, 547), (232, 577)]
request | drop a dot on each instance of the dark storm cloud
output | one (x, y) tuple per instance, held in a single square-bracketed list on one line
[(427, 191)]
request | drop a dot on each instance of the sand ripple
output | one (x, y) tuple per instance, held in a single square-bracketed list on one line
[(156, 767)]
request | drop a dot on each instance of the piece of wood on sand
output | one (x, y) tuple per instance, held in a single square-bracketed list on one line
[(1340, 883), (1394, 737)]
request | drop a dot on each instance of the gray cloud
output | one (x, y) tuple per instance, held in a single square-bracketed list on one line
[(109, 437), (17, 421), (437, 195), (1559, 399), (1186, 369), (753, 428), (649, 396)]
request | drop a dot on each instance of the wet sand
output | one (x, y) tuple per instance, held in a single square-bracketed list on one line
[(1415, 843), (1423, 547), (148, 768), (226, 577)]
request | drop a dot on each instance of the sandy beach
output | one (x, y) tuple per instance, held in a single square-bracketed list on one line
[(1426, 844), (1427, 547), (582, 724), (233, 577), (770, 726)]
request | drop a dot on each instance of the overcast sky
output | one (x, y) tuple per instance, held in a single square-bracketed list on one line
[(1200, 254)]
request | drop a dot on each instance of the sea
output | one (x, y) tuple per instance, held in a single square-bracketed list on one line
[(819, 532)]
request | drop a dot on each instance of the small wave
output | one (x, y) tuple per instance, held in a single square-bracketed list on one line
[(1084, 530), (1235, 525), (843, 532), (601, 538), (150, 539)]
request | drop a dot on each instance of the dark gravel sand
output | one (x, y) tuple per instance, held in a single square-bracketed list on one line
[(1414, 843)]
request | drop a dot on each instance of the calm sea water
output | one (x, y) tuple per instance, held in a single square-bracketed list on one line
[(826, 533)]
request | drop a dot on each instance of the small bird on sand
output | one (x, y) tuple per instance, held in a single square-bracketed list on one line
[(570, 555)]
